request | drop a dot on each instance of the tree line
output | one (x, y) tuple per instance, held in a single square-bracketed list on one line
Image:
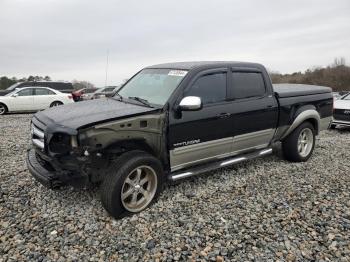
[(335, 75), (6, 82)]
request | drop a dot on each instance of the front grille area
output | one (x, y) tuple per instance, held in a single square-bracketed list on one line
[(341, 114), (37, 136)]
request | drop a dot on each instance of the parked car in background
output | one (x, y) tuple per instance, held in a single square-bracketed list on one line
[(64, 87), (104, 92), (173, 121), (33, 99), (83, 94), (341, 112)]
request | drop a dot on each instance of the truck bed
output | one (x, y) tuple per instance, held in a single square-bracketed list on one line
[(291, 90)]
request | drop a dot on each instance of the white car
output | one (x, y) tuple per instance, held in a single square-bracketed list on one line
[(341, 113), (33, 99)]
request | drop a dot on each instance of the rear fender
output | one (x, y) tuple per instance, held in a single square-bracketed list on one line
[(307, 113)]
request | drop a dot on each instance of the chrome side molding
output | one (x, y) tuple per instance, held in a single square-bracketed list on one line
[(174, 176)]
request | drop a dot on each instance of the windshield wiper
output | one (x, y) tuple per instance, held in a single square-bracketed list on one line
[(141, 100), (120, 98)]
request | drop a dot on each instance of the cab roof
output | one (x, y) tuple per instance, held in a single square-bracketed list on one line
[(205, 64)]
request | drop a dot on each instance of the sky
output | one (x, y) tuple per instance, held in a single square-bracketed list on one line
[(70, 39)]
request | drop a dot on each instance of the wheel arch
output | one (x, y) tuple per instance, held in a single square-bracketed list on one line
[(56, 101), (129, 145), (7, 108), (302, 115)]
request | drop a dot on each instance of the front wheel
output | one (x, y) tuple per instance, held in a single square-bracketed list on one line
[(299, 145), (131, 184), (3, 109)]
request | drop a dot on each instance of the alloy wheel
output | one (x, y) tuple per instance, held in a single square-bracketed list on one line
[(305, 142), (2, 109), (139, 188)]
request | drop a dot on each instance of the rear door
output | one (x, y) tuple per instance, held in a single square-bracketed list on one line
[(254, 110), (43, 98), (199, 136)]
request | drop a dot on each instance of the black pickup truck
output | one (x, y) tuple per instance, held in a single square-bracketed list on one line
[(173, 121)]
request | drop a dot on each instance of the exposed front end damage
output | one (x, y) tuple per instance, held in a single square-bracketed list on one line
[(79, 157)]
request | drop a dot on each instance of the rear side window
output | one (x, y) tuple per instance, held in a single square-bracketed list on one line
[(56, 86), (210, 88), (43, 92), (247, 84)]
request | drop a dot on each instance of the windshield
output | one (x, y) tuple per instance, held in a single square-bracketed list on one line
[(346, 97), (153, 85), (13, 92), (13, 87)]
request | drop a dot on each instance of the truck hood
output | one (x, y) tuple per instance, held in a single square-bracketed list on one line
[(342, 104), (86, 113)]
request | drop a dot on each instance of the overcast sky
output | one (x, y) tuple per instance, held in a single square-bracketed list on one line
[(69, 39)]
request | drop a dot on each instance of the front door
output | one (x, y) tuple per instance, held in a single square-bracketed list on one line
[(23, 100), (199, 136)]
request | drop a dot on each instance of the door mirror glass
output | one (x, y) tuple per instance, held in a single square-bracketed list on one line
[(190, 103)]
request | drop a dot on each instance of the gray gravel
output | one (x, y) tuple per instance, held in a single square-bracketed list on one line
[(263, 210)]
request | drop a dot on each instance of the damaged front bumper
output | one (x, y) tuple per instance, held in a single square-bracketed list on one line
[(43, 171)]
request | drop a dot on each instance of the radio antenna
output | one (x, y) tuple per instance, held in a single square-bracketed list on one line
[(106, 68)]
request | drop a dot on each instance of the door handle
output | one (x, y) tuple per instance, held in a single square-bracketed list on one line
[(224, 115)]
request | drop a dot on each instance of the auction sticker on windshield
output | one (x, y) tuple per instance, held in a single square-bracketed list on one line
[(177, 73)]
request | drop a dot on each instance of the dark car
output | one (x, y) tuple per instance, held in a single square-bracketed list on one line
[(172, 121), (64, 87)]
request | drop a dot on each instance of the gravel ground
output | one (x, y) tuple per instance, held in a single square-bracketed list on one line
[(265, 209)]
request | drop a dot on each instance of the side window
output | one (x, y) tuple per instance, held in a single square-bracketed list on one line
[(43, 92), (55, 86), (90, 90), (247, 84), (26, 92), (23, 85), (210, 88)]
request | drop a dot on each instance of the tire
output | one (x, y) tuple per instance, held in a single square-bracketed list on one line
[(3, 109), (122, 179), (332, 126), (56, 103), (294, 149)]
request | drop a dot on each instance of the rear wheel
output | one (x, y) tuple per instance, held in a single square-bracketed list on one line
[(56, 103), (131, 183), (299, 145), (3, 109)]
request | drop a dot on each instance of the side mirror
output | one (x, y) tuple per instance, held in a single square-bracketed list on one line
[(15, 95), (190, 103)]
